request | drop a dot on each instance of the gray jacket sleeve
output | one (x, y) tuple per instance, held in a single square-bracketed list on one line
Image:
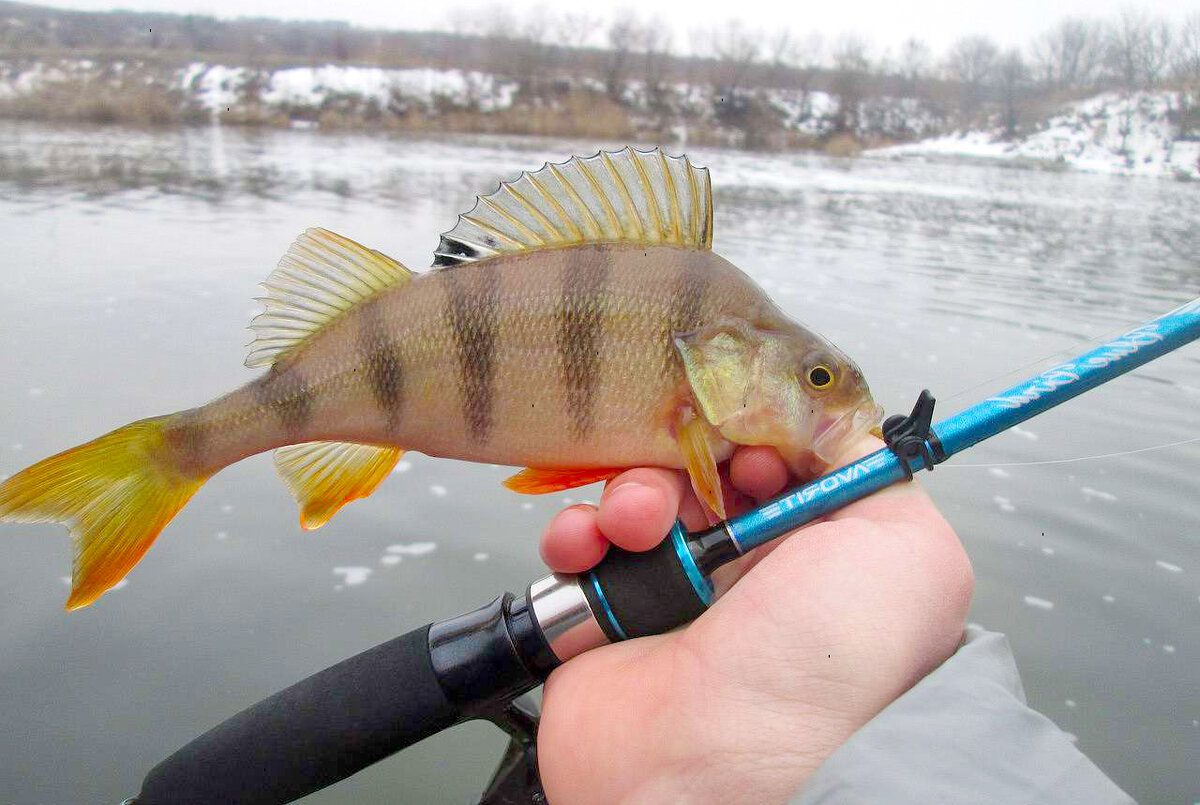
[(962, 734)]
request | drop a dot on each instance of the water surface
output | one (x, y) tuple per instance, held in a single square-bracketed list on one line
[(129, 262)]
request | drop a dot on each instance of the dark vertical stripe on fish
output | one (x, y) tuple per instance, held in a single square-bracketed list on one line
[(472, 302), (381, 358), (585, 276), (287, 394), (687, 304)]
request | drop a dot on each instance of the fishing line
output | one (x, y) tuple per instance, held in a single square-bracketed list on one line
[(1081, 458), (1105, 336)]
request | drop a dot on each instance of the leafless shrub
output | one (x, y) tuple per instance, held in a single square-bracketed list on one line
[(733, 49), (1185, 65), (914, 65), (972, 62), (1013, 79), (622, 39), (85, 100), (1137, 49), (851, 67), (1070, 55)]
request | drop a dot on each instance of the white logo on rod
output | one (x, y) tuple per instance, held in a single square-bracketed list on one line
[(1068, 373)]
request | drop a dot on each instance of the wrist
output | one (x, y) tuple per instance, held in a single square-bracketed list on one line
[(689, 733), (762, 757)]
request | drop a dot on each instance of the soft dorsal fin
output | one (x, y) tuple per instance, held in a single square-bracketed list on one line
[(628, 196), (322, 276)]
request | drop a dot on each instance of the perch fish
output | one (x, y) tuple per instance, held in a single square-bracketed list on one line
[(575, 322)]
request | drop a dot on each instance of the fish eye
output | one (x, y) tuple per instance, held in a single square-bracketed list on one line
[(820, 377)]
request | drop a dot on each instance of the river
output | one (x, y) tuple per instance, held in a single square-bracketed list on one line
[(129, 263)]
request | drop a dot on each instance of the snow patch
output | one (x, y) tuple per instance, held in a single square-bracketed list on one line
[(412, 548), (1096, 494), (352, 576), (1130, 135), (1038, 603)]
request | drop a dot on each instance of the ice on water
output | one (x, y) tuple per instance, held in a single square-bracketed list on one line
[(1038, 603), (1096, 494), (353, 576), (412, 548), (1004, 503)]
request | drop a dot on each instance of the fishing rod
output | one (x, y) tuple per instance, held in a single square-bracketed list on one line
[(475, 666)]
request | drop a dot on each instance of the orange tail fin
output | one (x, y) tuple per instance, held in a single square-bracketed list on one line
[(115, 493)]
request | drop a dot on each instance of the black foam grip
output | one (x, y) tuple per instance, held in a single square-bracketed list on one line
[(648, 593), (313, 734)]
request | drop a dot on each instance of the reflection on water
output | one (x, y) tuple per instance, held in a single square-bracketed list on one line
[(129, 262)]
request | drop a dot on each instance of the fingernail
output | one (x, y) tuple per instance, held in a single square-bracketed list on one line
[(626, 489)]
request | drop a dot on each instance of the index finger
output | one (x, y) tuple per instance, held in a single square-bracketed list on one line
[(639, 506)]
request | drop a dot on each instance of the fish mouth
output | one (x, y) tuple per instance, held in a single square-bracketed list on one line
[(833, 433)]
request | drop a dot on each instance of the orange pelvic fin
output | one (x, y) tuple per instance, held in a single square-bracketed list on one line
[(325, 476), (533, 481)]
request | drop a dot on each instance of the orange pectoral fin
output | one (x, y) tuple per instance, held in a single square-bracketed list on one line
[(693, 433), (532, 481)]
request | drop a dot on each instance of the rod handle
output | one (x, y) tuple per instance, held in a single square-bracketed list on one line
[(647, 593), (314, 733)]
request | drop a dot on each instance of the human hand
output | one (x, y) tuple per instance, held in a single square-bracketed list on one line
[(825, 628)]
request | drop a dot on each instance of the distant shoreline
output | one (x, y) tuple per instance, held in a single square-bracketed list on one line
[(1108, 133)]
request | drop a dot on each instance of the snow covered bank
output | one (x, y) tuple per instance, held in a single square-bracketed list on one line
[(217, 87), (295, 93), (1110, 133)]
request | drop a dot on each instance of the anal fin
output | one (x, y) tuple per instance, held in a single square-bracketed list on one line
[(533, 481), (325, 476), (692, 434)]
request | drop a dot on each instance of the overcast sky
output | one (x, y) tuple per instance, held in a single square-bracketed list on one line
[(886, 23)]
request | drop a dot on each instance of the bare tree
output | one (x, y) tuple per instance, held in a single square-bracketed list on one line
[(1013, 78), (1186, 59), (782, 47), (519, 47), (851, 69), (810, 57), (575, 29), (795, 61), (654, 45), (914, 64), (1138, 49), (622, 39), (1185, 64), (1137, 52), (1070, 55), (971, 62), (734, 50)]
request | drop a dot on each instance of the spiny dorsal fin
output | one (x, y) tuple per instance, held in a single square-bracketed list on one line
[(325, 476), (643, 197), (322, 276)]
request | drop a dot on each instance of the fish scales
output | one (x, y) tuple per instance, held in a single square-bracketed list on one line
[(529, 359)]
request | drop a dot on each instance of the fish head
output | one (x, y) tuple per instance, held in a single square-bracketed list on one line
[(785, 386)]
